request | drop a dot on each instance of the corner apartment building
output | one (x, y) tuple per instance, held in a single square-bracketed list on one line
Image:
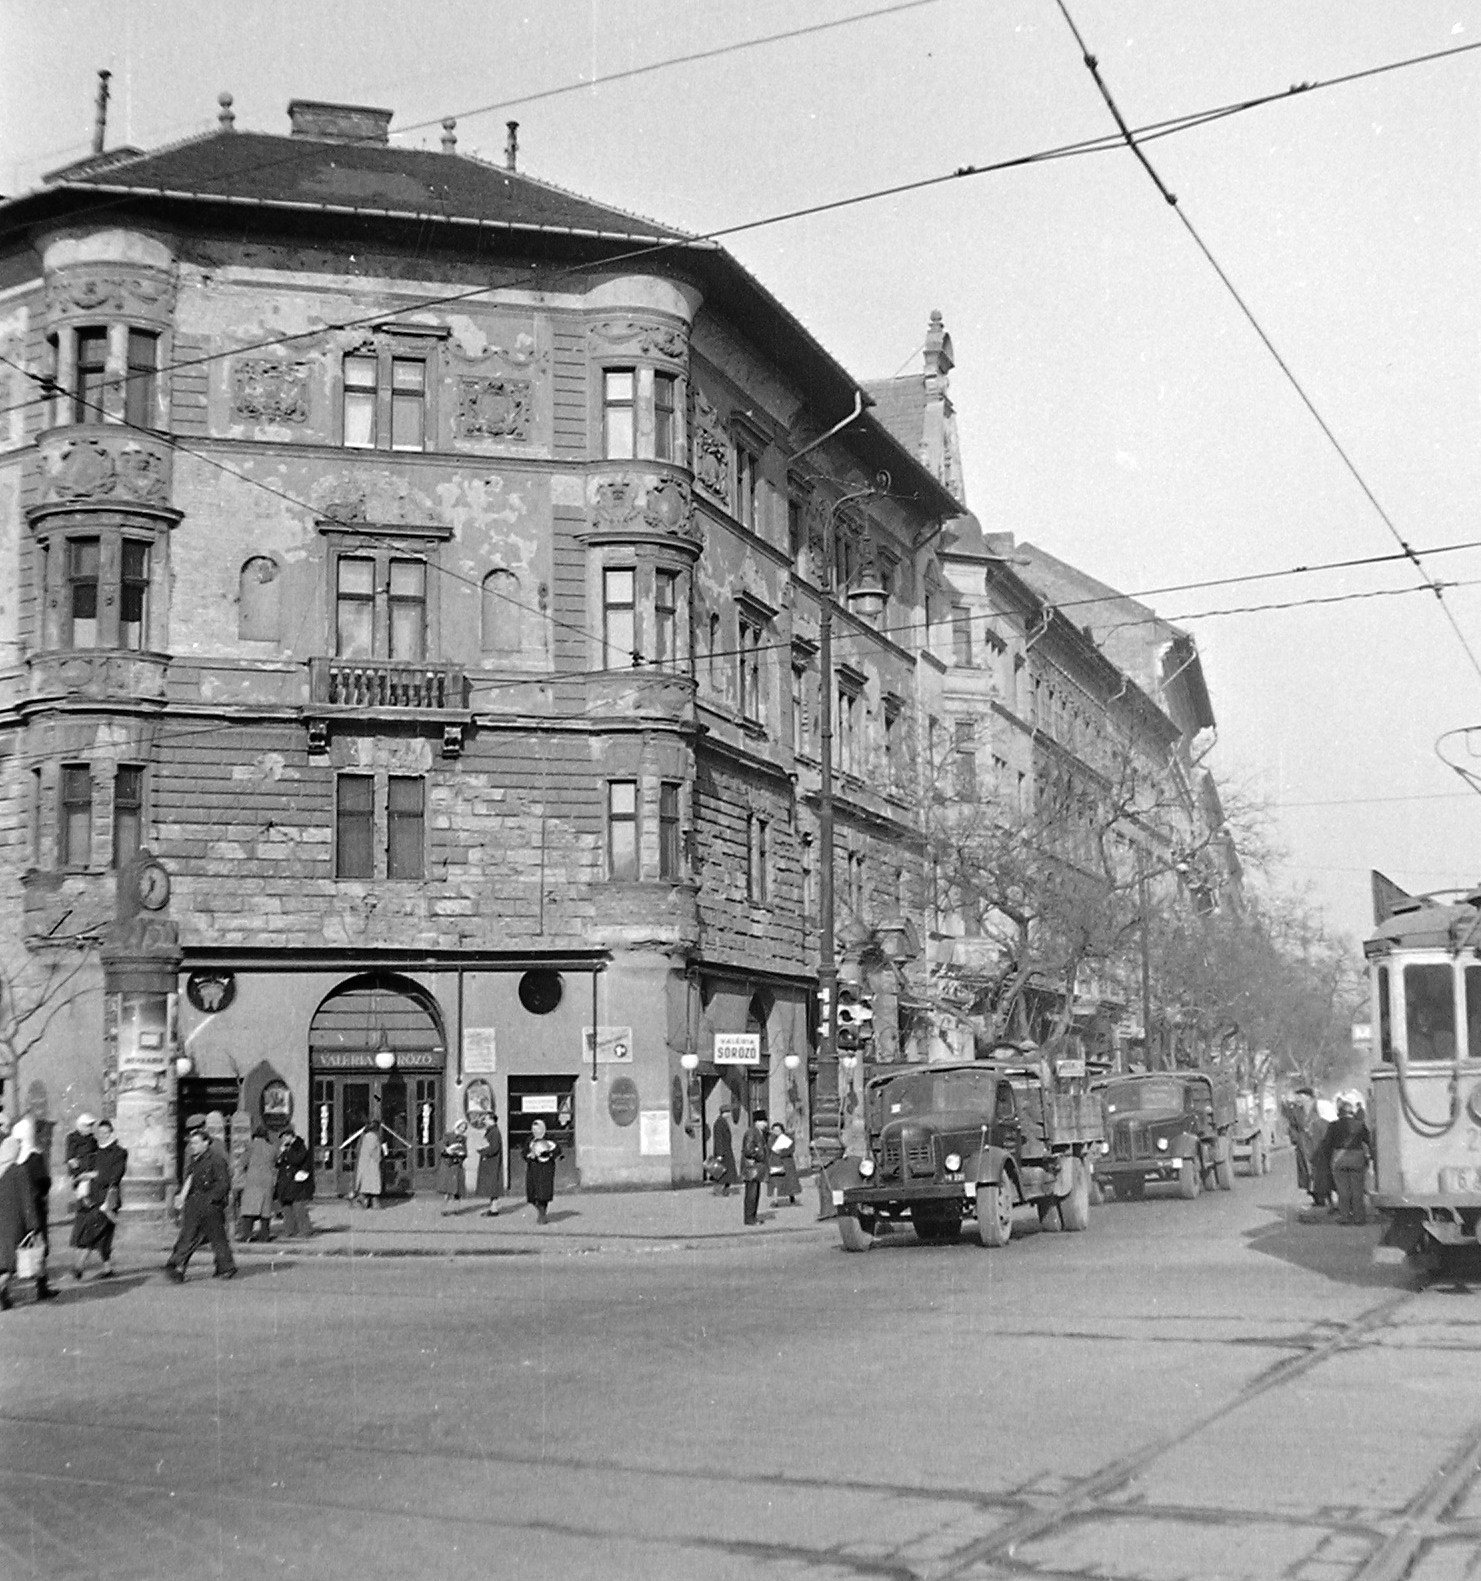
[(410, 576)]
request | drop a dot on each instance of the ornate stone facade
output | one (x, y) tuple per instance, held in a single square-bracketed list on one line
[(494, 409), (269, 390), (103, 465), (665, 341)]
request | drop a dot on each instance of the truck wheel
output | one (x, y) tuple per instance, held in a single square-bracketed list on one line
[(936, 1225), (995, 1214), (1074, 1210), (1224, 1164), (1189, 1184), (1097, 1193), (854, 1236), (1258, 1164)]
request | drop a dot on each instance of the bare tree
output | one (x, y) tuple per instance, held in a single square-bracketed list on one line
[(34, 990)]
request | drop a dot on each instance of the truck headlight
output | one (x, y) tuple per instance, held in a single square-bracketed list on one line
[(866, 1167), (953, 1162), (1105, 1147), (1161, 1144)]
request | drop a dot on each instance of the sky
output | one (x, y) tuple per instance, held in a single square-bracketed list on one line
[(1115, 405)]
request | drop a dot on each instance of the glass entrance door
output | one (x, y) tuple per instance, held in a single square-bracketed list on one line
[(409, 1110)]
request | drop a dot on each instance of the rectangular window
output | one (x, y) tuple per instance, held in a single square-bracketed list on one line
[(619, 415), (622, 830), (856, 882), (128, 815), (1429, 1012), (355, 608), (133, 597), (799, 709), (750, 670), (408, 403), (796, 533), (405, 827), (758, 860), (618, 636), (809, 879), (665, 619), (848, 722), (354, 827), (747, 467), (92, 375), (961, 636), (408, 610), (665, 428), (966, 760), (143, 379), (75, 825), (843, 559), (362, 389), (82, 591), (669, 847), (892, 734)]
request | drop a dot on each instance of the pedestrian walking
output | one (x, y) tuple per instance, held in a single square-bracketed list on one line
[(295, 1184), (100, 1197), (17, 1214), (368, 1159), (1349, 1147), (255, 1179), (540, 1159), (34, 1164), (79, 1148), (754, 1164), (781, 1168), (1302, 1103), (451, 1157), (726, 1174), (202, 1203), (490, 1182), (1323, 1114)]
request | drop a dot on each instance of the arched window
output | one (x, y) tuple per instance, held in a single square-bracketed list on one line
[(260, 601), (501, 612)]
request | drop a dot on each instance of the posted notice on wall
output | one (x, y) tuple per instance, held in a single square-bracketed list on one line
[(737, 1048), (614, 1046), (653, 1133), (478, 1051)]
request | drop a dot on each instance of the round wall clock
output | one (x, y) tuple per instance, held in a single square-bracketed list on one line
[(153, 886)]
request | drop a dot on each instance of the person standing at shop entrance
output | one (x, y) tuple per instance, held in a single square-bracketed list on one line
[(202, 1203), (491, 1165), (540, 1159), (755, 1162)]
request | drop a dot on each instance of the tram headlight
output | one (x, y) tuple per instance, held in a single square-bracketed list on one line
[(866, 1167)]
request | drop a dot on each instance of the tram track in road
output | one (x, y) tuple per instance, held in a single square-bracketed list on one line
[(1088, 1495)]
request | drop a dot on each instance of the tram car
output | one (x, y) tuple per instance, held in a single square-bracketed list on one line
[(1424, 961)]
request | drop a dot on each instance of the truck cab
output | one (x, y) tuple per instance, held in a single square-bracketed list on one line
[(1168, 1127)]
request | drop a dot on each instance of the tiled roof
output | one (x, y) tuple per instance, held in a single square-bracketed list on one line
[(369, 178), (900, 404)]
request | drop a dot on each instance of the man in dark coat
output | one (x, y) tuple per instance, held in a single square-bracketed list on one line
[(17, 1213), (295, 1184), (724, 1154), (755, 1161), (202, 1203), (36, 1167)]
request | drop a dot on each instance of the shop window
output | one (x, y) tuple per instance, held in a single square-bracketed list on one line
[(354, 834), (128, 814), (380, 608), (501, 612), (75, 823), (619, 631), (622, 830), (142, 384), (385, 400), (259, 600), (91, 376), (670, 847), (749, 670), (405, 827)]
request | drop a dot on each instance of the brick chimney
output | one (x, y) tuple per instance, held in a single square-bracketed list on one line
[(339, 123)]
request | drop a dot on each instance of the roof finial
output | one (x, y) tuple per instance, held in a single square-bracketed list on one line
[(100, 125), (511, 144), (225, 118), (449, 135)]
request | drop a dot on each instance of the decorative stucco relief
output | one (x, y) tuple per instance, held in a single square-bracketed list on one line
[(494, 409), (711, 449), (127, 295), (647, 340), (469, 344), (266, 390), (124, 469), (648, 504)]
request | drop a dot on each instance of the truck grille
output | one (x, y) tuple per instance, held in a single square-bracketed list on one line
[(914, 1152)]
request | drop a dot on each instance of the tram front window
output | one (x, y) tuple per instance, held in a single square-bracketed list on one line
[(1385, 1019), (1429, 1012), (1473, 1012)]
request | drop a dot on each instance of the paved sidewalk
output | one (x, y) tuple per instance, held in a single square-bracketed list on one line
[(579, 1222)]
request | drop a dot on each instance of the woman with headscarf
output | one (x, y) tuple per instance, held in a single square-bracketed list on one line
[(17, 1213), (491, 1165), (295, 1185), (781, 1170), (451, 1157), (256, 1176), (540, 1157), (98, 1208), (80, 1146), (37, 1169), (368, 1167)]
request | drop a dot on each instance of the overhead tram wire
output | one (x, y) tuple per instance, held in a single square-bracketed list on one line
[(1101, 144), (1130, 139)]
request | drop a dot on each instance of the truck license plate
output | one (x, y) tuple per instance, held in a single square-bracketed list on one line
[(1461, 1180)]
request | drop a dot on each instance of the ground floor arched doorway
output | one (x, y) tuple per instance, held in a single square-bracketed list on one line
[(377, 1051)]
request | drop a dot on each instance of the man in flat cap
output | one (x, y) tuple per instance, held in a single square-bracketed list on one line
[(202, 1200)]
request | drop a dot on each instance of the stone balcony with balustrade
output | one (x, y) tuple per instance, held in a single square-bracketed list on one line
[(388, 691)]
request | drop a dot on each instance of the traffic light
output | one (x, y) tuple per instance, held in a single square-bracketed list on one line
[(855, 1019)]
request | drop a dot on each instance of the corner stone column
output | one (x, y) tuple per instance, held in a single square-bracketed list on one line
[(141, 968)]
